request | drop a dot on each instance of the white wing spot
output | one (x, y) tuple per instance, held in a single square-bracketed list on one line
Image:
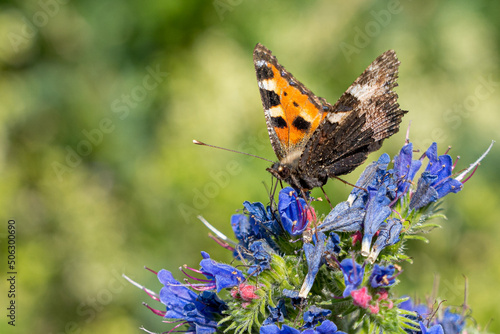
[(276, 111), (337, 117), (361, 91), (260, 63), (267, 84)]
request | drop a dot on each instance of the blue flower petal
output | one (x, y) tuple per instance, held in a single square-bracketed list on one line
[(292, 209), (328, 327), (278, 313), (440, 166), (388, 235), (270, 329), (436, 181), (382, 276), (425, 193), (452, 322), (332, 243), (241, 226), (181, 303), (174, 295), (315, 315), (353, 275), (343, 218), (372, 174), (314, 255), (273, 329), (448, 186), (261, 256), (225, 276), (377, 211), (405, 168), (257, 211), (437, 329)]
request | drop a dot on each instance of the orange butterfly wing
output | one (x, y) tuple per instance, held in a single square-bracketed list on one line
[(292, 111)]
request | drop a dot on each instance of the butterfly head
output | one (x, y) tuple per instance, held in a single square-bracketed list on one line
[(295, 178), (280, 171)]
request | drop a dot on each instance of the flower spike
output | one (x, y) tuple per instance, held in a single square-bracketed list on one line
[(302, 279)]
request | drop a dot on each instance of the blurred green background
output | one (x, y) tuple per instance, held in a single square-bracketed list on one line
[(100, 100)]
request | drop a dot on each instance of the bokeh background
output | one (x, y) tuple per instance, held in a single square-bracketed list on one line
[(100, 101)]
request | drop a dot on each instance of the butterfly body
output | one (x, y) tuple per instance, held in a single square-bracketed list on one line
[(315, 140)]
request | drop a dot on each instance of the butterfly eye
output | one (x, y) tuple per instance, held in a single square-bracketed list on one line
[(283, 172)]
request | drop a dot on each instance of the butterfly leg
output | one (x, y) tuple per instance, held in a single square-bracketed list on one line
[(349, 184), (326, 197)]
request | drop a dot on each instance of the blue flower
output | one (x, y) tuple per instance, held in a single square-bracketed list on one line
[(261, 257), (278, 313), (242, 228), (294, 211), (421, 310), (405, 168), (372, 176), (332, 244), (377, 211), (452, 323), (260, 225), (223, 275), (295, 300), (344, 218), (353, 275), (326, 327), (425, 193), (273, 329), (436, 180), (263, 218), (436, 329), (315, 315), (368, 202), (199, 311), (382, 276), (210, 303), (442, 167), (314, 255), (388, 235)]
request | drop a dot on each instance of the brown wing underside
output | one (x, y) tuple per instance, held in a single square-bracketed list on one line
[(362, 118)]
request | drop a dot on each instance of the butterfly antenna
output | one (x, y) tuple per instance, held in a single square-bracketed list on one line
[(197, 142), (270, 191), (349, 184)]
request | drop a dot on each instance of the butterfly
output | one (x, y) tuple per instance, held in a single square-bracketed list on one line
[(314, 140)]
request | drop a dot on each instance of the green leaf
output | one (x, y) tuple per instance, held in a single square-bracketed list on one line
[(416, 237)]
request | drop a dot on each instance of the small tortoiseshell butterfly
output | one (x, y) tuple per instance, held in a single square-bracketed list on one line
[(315, 140)]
